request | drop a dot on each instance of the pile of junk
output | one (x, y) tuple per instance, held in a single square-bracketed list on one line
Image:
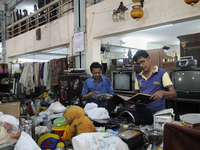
[(57, 127)]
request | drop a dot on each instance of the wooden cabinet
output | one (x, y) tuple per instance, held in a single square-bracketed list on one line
[(183, 106), (159, 58), (190, 46), (70, 87)]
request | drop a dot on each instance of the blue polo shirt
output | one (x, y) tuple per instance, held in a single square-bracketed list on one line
[(103, 86), (159, 80)]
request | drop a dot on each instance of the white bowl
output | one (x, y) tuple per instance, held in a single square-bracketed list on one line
[(191, 118)]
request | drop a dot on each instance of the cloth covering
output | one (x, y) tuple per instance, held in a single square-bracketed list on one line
[(98, 141), (94, 112), (178, 137), (26, 142)]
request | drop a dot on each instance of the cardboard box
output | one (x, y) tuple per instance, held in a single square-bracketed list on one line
[(12, 109), (163, 116)]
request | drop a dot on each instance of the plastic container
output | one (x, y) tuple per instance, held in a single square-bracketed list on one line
[(59, 124), (58, 108), (191, 118), (111, 131)]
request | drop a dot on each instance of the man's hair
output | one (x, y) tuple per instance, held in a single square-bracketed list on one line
[(95, 65), (140, 53)]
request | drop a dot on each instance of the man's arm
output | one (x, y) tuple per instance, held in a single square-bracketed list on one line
[(170, 93), (87, 96)]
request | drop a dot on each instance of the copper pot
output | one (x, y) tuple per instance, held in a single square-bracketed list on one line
[(137, 12), (191, 2)]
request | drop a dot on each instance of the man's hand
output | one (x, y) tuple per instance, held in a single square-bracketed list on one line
[(157, 95), (93, 94)]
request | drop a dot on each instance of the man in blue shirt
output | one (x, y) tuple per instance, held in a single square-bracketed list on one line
[(96, 85), (153, 81)]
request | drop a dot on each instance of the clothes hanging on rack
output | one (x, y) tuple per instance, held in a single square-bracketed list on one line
[(45, 71), (41, 74), (27, 78), (59, 68), (49, 74), (36, 74)]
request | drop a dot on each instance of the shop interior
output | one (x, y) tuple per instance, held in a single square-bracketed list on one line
[(163, 43)]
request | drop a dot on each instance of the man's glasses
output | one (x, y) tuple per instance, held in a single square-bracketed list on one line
[(142, 62)]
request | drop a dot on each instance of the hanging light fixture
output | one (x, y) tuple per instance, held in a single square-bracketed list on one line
[(191, 2), (137, 12)]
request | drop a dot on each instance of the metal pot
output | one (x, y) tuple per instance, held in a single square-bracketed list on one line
[(155, 138)]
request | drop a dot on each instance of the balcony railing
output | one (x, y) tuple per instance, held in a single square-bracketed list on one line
[(54, 10)]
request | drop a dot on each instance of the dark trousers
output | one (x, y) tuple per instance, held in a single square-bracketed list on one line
[(143, 115)]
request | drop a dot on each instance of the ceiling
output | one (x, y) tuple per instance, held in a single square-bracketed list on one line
[(155, 37), (46, 55), (5, 1)]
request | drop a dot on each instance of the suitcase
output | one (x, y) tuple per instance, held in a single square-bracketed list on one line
[(126, 109)]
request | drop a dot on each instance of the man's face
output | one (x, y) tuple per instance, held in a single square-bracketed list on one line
[(96, 72), (144, 63)]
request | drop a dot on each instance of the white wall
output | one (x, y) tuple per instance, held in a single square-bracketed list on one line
[(100, 25), (53, 34), (156, 13)]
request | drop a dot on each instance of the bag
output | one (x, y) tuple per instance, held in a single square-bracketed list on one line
[(98, 141), (123, 118), (114, 123), (26, 142)]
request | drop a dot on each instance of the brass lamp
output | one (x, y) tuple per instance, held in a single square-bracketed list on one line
[(137, 12), (135, 1), (191, 2)]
